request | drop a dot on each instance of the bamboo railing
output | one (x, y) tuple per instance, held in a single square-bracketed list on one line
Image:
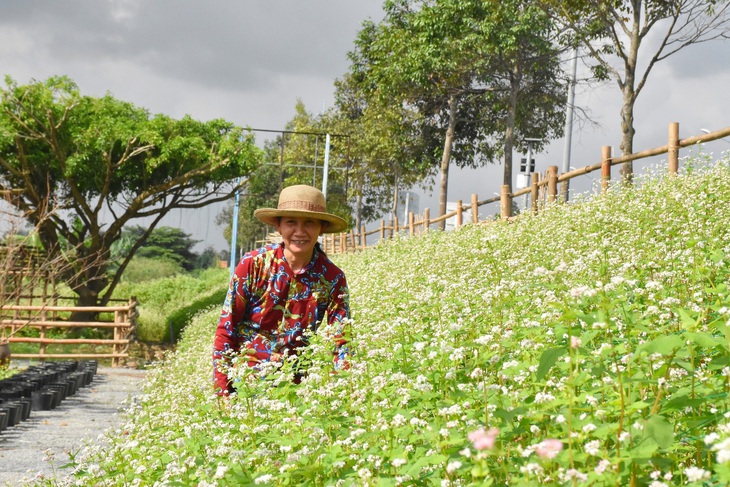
[(45, 318), (542, 190)]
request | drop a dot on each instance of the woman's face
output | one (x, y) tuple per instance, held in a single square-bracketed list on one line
[(300, 234)]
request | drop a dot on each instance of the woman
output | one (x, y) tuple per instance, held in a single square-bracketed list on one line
[(281, 290)]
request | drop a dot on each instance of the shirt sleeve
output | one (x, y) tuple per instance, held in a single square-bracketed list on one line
[(227, 340), (338, 313)]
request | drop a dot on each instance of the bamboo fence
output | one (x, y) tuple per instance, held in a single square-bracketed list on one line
[(542, 190), (45, 318)]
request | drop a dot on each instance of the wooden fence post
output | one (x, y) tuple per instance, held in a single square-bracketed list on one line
[(673, 148), (474, 209), (363, 238), (382, 230), (552, 183), (411, 223), (426, 219), (343, 243), (459, 215), (605, 167), (353, 243), (505, 202), (534, 190), (394, 230)]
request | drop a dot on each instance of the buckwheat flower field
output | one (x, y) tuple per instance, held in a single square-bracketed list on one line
[(587, 345)]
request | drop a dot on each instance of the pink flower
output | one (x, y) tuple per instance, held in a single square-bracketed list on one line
[(575, 342), (483, 440), (548, 448)]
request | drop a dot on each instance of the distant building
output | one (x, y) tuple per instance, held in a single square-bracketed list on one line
[(451, 221), (408, 201)]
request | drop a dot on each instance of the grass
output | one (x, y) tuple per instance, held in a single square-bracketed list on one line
[(588, 345)]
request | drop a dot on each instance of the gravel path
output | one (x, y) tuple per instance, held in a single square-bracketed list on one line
[(26, 447)]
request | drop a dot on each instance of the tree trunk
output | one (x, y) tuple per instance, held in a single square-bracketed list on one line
[(628, 90), (445, 159), (88, 282)]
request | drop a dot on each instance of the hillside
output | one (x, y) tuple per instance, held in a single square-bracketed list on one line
[(588, 345)]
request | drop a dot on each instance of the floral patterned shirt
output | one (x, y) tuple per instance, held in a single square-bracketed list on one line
[(268, 307)]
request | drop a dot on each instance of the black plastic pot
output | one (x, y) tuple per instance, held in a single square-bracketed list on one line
[(47, 400), (14, 411)]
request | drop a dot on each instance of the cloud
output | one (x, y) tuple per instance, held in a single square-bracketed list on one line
[(211, 45)]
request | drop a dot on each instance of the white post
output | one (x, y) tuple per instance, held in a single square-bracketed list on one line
[(569, 122), (326, 165), (234, 229)]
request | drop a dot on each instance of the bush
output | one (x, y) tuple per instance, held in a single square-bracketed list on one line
[(161, 299), (141, 269)]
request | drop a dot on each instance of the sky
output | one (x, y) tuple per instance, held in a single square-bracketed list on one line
[(250, 61)]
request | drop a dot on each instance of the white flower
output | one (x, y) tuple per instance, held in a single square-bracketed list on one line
[(453, 466), (711, 438), (399, 462), (602, 466), (220, 472), (593, 447), (695, 474), (264, 479)]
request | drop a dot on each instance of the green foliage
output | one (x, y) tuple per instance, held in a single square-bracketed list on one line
[(178, 319), (587, 345), (167, 303), (592, 25), (141, 269), (481, 77), (73, 155), (168, 243)]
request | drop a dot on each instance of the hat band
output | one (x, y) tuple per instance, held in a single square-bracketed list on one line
[(302, 205)]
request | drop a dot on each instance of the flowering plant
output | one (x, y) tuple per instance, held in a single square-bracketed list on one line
[(588, 345)]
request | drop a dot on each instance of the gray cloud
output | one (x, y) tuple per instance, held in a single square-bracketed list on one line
[(214, 44)]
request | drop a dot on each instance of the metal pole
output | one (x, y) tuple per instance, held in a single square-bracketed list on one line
[(527, 167), (316, 153), (569, 123), (234, 229), (326, 165)]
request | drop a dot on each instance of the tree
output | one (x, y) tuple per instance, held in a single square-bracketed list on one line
[(260, 190), (166, 243), (68, 157), (389, 147), (621, 31), (295, 156), (480, 74)]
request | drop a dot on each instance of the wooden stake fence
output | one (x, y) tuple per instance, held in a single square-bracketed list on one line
[(543, 191), (44, 318)]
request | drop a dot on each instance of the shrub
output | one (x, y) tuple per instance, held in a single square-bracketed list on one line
[(141, 269)]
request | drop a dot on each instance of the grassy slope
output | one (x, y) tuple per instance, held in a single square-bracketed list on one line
[(471, 329)]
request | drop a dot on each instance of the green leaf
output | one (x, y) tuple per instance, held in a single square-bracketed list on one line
[(688, 322), (661, 430), (548, 359), (665, 345), (703, 340)]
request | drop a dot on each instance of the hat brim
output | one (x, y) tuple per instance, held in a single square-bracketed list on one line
[(271, 216)]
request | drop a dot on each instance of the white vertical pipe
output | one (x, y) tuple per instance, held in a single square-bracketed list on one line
[(569, 118), (326, 165)]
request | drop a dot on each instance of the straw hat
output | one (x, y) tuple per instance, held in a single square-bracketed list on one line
[(301, 201)]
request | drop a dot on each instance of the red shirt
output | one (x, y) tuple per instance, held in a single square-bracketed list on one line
[(268, 308)]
